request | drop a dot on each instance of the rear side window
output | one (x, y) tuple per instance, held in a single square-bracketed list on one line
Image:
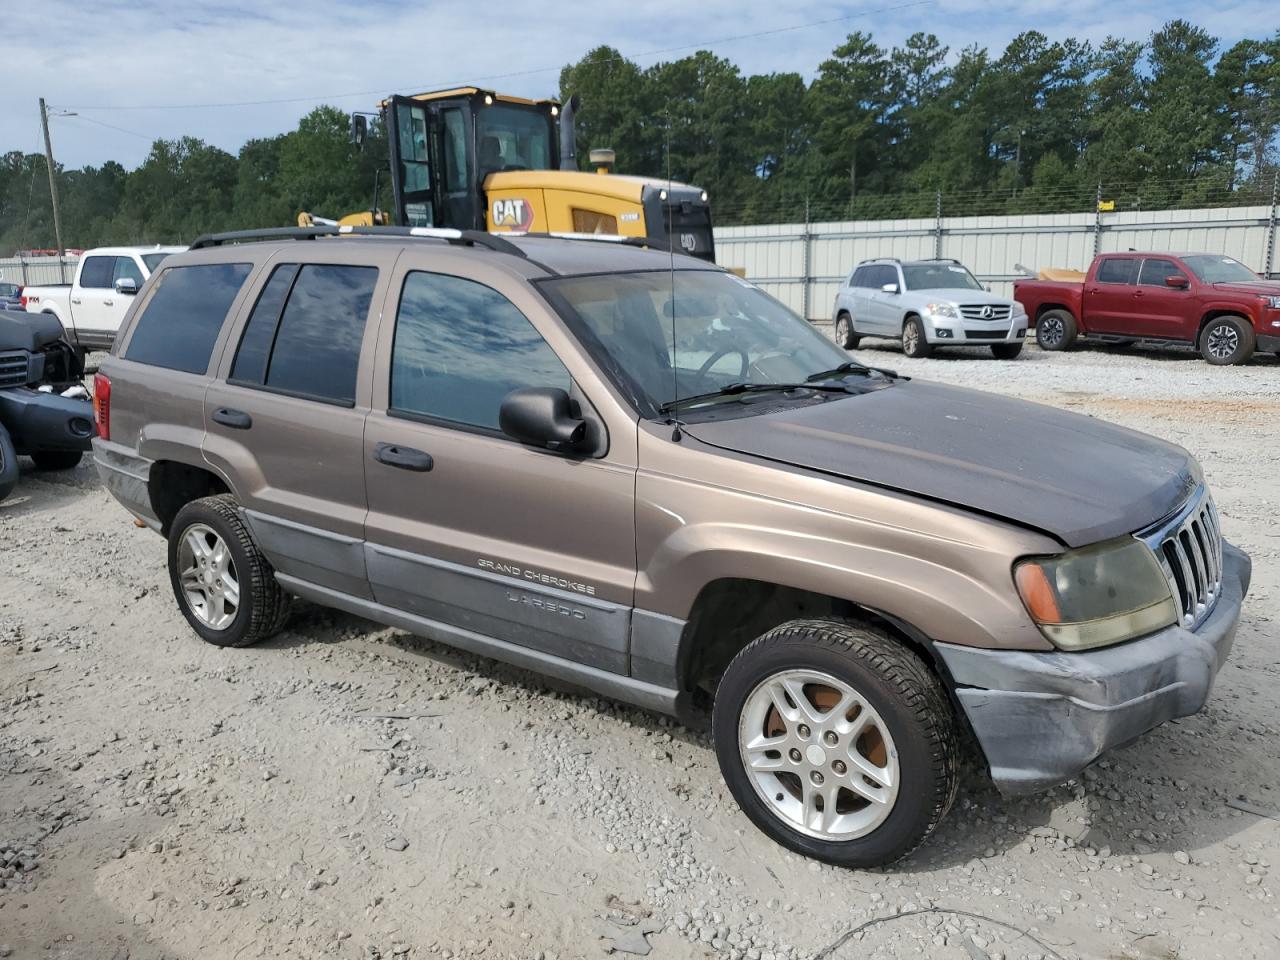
[(96, 272), (304, 334), (181, 321), (1117, 270), (460, 348)]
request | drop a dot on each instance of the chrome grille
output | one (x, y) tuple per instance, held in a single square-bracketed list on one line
[(14, 368), (974, 311), (1189, 549)]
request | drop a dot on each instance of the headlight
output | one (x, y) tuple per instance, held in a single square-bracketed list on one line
[(1272, 302), (1096, 596), (947, 310)]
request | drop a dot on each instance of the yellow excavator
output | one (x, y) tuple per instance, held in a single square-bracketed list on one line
[(473, 159)]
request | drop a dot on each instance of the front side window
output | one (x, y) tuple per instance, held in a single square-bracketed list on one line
[(939, 276), (460, 347), (1118, 270), (127, 269), (97, 272), (671, 334), (1213, 269), (1154, 272), (180, 323), (455, 150)]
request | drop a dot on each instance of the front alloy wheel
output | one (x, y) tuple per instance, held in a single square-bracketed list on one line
[(1227, 340), (819, 755), (837, 741)]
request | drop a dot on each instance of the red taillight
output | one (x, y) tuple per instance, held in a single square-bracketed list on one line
[(23, 298), (102, 404)]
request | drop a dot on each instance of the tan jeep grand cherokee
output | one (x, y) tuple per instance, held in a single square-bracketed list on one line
[(639, 473)]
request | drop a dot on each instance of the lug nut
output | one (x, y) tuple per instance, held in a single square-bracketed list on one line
[(803, 731), (839, 767), (830, 738), (817, 778), (795, 755)]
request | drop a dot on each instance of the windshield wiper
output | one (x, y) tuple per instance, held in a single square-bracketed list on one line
[(851, 366), (736, 389)]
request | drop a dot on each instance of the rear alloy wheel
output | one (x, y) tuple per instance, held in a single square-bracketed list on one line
[(1226, 340), (1056, 330), (844, 332), (1006, 351), (224, 585), (913, 342), (836, 741)]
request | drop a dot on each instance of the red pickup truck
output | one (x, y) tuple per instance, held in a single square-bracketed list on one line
[(1208, 301)]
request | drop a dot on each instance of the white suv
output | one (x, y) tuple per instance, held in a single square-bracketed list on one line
[(926, 304)]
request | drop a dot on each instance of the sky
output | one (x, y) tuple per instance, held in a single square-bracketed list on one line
[(136, 70)]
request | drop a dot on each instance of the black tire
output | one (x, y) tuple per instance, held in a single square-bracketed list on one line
[(1227, 341), (1056, 330), (844, 333), (263, 607), (57, 459), (897, 684), (1006, 351), (915, 346)]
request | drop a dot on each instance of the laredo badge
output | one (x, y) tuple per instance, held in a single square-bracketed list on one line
[(513, 214)]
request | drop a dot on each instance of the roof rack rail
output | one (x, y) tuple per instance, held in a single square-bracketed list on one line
[(879, 260), (943, 260), (469, 238), (657, 242)]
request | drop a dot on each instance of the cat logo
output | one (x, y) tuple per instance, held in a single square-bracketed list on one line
[(513, 214), (688, 242)]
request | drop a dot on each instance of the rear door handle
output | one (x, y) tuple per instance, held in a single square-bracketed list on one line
[(108, 303), (75, 300), (406, 458), (235, 419)]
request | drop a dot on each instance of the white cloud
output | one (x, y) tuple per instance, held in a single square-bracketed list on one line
[(117, 53)]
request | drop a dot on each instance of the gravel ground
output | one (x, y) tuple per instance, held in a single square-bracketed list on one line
[(351, 791)]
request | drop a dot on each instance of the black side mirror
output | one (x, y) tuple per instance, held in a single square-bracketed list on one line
[(126, 286), (359, 130), (542, 417)]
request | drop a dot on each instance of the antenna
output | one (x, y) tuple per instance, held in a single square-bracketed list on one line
[(671, 253)]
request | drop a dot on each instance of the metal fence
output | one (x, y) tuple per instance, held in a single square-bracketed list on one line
[(803, 264), (34, 271)]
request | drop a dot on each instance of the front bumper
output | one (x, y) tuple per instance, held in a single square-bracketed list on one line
[(1041, 718), (974, 333)]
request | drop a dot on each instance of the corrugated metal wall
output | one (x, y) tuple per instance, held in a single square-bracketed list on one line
[(802, 265), (34, 271)]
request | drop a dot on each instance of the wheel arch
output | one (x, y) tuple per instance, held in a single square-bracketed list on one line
[(1218, 312), (172, 484), (1046, 307)]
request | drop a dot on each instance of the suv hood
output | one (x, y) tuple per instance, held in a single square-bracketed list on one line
[(1079, 479), (962, 295), (1264, 288)]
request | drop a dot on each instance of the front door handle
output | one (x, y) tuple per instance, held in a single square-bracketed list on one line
[(235, 419), (75, 300), (406, 458)]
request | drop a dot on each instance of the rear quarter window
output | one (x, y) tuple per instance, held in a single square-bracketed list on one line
[(181, 321)]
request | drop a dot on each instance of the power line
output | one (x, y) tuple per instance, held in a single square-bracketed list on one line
[(101, 123), (518, 73)]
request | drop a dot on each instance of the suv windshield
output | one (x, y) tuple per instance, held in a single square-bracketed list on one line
[(1215, 269), (938, 276), (680, 333)]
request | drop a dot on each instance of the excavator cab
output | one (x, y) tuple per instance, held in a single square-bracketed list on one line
[(473, 159)]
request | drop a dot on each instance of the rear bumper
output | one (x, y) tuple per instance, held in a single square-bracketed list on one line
[(1041, 718), (126, 476)]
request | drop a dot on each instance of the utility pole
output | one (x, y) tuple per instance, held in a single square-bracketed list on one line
[(53, 182)]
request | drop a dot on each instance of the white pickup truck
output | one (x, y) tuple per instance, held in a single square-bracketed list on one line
[(91, 308)]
